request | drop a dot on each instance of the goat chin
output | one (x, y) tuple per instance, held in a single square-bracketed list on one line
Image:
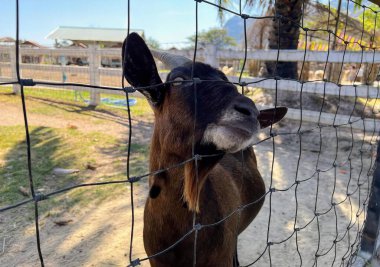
[(227, 138)]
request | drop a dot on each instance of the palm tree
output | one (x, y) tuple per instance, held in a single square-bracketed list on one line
[(284, 33)]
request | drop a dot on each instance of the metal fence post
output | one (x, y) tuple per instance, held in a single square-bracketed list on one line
[(370, 242), (94, 64)]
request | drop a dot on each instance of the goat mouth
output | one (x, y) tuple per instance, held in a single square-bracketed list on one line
[(231, 137), (243, 129)]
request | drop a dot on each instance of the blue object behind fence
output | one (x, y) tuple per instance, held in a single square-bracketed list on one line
[(118, 102)]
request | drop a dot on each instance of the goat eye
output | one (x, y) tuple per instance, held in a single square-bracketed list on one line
[(177, 81)]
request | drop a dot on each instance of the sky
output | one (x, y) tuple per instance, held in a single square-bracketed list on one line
[(170, 22), (167, 21)]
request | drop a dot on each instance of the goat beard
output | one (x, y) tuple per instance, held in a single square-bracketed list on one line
[(192, 185), (195, 177), (193, 182)]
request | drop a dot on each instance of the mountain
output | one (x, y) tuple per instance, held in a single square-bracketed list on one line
[(235, 28)]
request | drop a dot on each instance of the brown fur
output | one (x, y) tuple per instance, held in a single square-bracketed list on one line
[(222, 188), (212, 188)]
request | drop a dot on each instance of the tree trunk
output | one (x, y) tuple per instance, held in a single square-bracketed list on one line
[(284, 35)]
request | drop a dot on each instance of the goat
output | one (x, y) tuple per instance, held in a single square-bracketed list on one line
[(212, 187)]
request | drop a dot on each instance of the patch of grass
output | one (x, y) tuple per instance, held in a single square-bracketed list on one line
[(6, 89), (67, 148), (63, 148), (142, 108), (60, 101), (138, 166), (56, 94), (138, 161), (81, 197), (372, 103), (49, 148)]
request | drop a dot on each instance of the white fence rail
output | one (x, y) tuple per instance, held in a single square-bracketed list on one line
[(298, 55), (266, 55), (94, 71)]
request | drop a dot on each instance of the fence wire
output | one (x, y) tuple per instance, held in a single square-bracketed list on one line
[(359, 174)]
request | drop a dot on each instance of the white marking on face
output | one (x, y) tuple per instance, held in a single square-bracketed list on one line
[(226, 137)]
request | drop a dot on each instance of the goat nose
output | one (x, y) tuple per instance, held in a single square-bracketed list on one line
[(242, 109), (246, 107)]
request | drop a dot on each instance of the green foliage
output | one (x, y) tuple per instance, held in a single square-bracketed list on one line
[(152, 43), (215, 36), (222, 3), (370, 19), (246, 6)]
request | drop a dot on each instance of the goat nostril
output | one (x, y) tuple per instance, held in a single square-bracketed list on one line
[(243, 110)]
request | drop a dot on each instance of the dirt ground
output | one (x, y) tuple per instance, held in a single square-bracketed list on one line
[(99, 234)]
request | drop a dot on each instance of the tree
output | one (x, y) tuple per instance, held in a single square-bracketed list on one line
[(215, 36), (284, 33), (152, 43), (370, 19)]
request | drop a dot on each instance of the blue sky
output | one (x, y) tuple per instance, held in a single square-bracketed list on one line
[(167, 21)]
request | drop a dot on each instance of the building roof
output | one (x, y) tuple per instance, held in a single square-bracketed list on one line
[(7, 40), (31, 43), (11, 41), (90, 34)]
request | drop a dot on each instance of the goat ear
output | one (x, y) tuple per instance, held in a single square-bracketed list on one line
[(140, 69), (270, 116)]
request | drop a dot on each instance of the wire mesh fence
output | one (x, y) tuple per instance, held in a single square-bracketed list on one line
[(318, 175)]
